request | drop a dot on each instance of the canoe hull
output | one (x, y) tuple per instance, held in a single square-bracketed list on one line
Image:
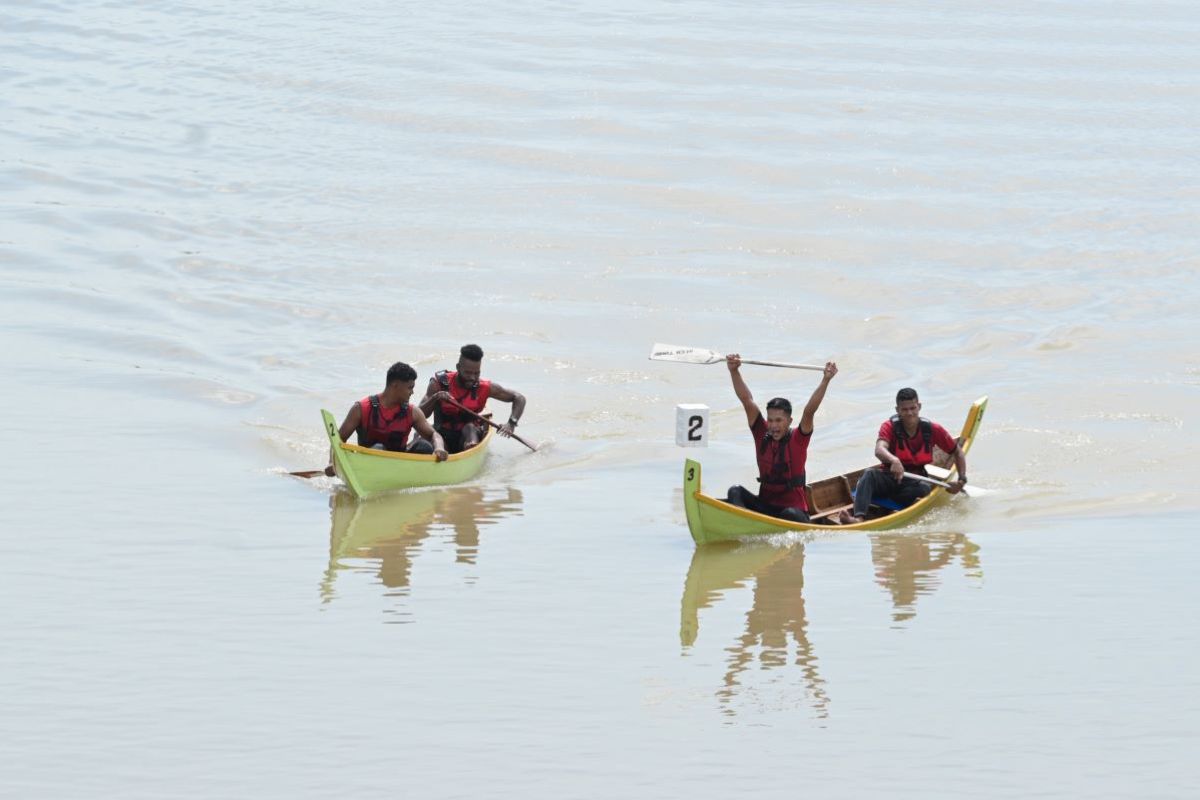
[(368, 472), (712, 520)]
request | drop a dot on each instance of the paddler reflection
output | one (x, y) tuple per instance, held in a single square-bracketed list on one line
[(907, 565), (384, 535), (777, 617), (776, 631)]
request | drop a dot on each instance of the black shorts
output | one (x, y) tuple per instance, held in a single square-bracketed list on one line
[(454, 438)]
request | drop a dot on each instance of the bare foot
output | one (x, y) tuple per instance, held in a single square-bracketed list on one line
[(846, 518)]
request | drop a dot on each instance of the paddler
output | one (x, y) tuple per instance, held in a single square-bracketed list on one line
[(452, 391), (781, 451), (905, 444), (384, 421)]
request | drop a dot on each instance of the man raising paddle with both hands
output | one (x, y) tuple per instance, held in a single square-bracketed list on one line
[(781, 451), (456, 398)]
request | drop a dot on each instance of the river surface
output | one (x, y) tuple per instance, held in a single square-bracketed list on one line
[(219, 218)]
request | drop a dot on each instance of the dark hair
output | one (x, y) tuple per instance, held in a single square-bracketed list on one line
[(906, 394), (782, 404), (401, 372), (471, 352)]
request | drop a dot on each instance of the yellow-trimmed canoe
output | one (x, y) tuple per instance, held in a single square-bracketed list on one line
[(369, 472), (712, 520)]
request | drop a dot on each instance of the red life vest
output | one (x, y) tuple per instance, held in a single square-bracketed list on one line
[(448, 416), (914, 453), (379, 426), (781, 470)]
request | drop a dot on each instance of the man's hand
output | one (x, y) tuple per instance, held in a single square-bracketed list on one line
[(733, 361), (897, 470), (956, 487), (830, 370), (506, 429), (440, 455), (329, 470), (442, 396)]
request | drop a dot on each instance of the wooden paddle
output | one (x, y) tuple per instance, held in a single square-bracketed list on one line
[(482, 418), (973, 491), (696, 355), (309, 473)]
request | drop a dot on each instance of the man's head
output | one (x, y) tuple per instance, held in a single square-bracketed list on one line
[(470, 363), (401, 380), (908, 406), (779, 417)]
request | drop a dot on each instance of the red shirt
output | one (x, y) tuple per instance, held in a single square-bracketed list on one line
[(911, 451), (795, 454)]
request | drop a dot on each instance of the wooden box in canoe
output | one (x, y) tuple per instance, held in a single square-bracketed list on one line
[(369, 472), (713, 520)]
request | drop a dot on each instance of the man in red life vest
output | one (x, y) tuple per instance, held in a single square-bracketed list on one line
[(905, 444), (782, 452), (448, 390), (384, 421)]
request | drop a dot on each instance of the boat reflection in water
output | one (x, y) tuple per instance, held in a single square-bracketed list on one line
[(776, 615), (776, 632), (383, 535)]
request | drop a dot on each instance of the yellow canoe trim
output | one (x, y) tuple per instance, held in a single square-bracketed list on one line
[(370, 451)]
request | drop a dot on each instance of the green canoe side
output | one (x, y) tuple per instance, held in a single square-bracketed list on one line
[(369, 472), (712, 520)]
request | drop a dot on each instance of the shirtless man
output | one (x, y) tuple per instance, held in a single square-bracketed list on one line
[(463, 387), (384, 421)]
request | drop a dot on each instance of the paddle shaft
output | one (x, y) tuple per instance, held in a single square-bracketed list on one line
[(786, 366), (936, 482), (926, 479), (698, 355), (482, 418)]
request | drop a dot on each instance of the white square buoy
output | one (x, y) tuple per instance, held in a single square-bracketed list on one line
[(691, 425)]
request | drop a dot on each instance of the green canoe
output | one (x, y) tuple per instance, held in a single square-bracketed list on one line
[(712, 520), (369, 472)]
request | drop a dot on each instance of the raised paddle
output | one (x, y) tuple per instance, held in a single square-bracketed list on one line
[(696, 355), (974, 491), (489, 422)]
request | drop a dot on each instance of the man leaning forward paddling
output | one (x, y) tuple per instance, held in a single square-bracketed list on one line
[(905, 444), (384, 421), (782, 452), (448, 390)]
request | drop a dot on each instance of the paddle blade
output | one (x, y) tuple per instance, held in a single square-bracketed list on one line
[(684, 355), (970, 490)]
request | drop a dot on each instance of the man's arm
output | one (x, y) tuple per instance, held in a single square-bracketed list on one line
[(960, 464), (351, 422), (421, 425), (518, 406), (883, 451), (432, 397), (948, 444), (814, 402), (734, 362)]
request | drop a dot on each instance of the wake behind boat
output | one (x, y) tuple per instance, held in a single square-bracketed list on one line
[(712, 520)]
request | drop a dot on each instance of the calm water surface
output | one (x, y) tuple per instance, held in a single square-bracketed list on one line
[(219, 218)]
